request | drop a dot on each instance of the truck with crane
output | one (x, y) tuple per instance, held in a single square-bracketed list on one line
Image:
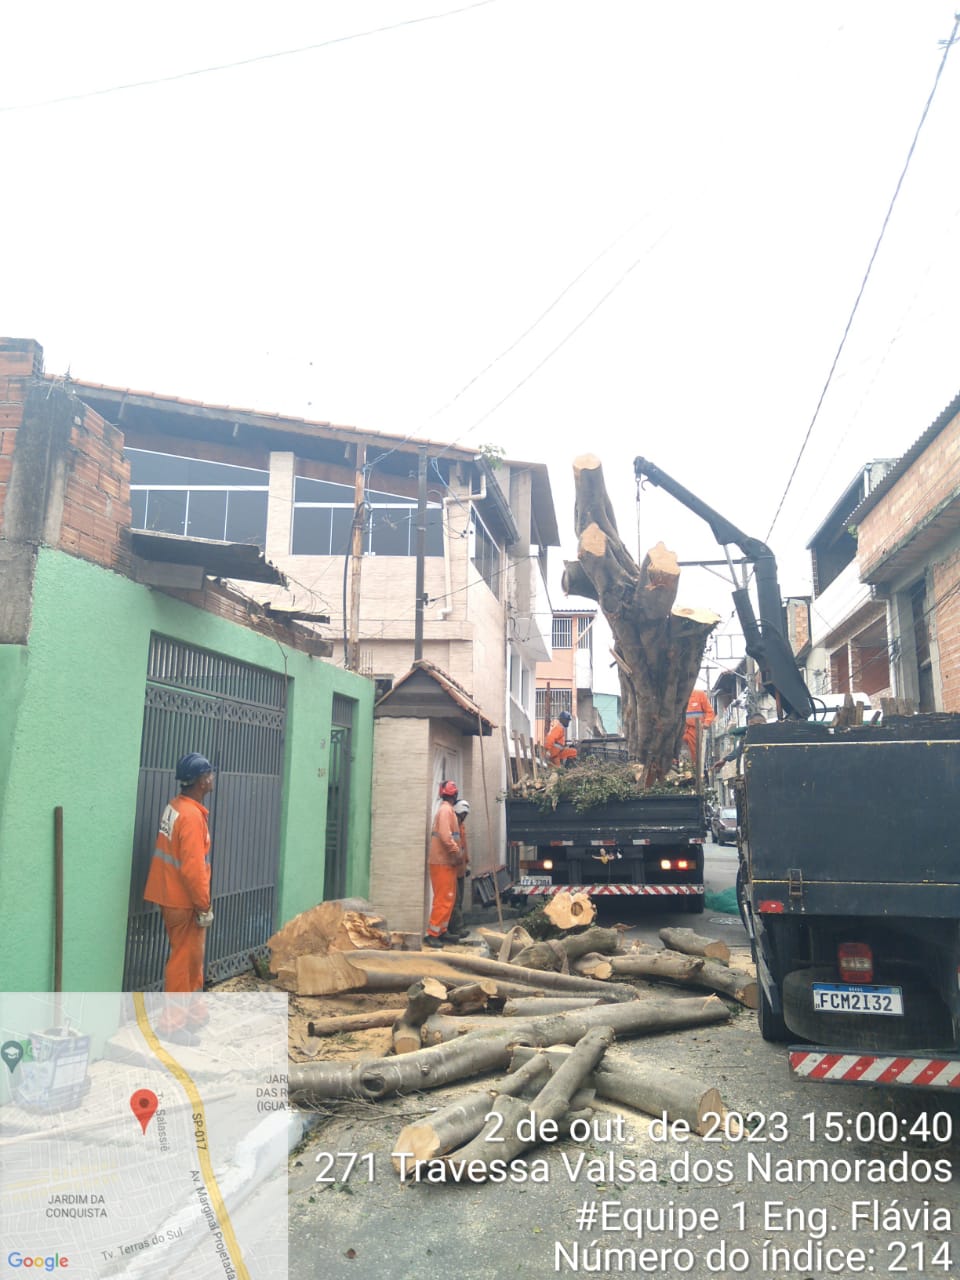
[(849, 879)]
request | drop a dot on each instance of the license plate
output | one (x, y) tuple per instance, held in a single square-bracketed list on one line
[(844, 998), (528, 882)]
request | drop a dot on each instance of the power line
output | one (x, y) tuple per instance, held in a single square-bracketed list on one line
[(948, 44), (243, 62)]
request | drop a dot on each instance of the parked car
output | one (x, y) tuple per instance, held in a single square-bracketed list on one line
[(725, 826)]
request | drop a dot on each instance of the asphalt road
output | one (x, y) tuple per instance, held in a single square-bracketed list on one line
[(784, 1196)]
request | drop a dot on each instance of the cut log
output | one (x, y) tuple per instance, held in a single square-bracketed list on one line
[(398, 970), (502, 1139), (658, 648), (568, 910), (473, 995), (536, 1006), (490, 1050), (423, 998), (354, 1022), (452, 1126), (691, 970), (695, 944), (550, 955), (343, 924), (594, 966), (650, 1089)]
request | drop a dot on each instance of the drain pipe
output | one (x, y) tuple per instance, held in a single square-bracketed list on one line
[(448, 502)]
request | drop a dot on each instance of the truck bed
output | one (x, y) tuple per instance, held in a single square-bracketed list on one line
[(658, 818)]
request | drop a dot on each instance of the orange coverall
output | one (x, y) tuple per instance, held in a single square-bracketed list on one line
[(179, 882), (556, 744), (443, 862), (699, 710)]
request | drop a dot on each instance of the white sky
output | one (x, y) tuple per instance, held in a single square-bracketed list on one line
[(354, 232)]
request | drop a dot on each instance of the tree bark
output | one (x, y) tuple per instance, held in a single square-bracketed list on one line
[(423, 998), (690, 970), (550, 1104), (536, 1006), (504, 946), (485, 1050), (550, 955), (695, 944), (354, 1022), (398, 970), (658, 647), (452, 1126), (594, 966), (652, 1090), (473, 996)]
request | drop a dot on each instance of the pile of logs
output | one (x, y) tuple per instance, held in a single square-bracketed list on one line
[(466, 1015)]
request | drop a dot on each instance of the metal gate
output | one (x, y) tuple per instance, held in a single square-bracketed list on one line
[(338, 798), (235, 715)]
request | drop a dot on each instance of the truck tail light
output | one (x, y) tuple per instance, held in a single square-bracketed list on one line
[(855, 962), (676, 864), (770, 907), (547, 864)]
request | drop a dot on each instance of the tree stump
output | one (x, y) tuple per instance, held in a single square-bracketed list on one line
[(658, 647)]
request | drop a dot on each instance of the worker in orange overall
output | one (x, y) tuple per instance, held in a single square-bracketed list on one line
[(455, 929), (699, 711), (443, 861), (179, 883), (556, 744)]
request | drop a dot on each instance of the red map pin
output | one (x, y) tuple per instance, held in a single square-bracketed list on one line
[(143, 1104)]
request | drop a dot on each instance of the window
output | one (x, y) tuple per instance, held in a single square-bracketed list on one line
[(196, 498), (585, 633), (485, 554), (550, 702), (323, 521), (563, 633)]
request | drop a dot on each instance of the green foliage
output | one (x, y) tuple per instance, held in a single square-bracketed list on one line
[(492, 454), (592, 783)]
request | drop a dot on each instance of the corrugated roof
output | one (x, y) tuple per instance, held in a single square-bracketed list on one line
[(907, 460)]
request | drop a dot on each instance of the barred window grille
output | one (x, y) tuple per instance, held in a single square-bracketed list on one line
[(585, 633), (485, 554), (563, 633), (550, 702)]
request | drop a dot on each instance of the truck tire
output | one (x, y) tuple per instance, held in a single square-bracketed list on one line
[(772, 1026), (926, 1024)]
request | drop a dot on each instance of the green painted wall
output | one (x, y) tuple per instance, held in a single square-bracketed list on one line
[(72, 715)]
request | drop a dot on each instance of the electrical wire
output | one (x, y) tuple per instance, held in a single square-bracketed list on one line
[(948, 44), (242, 62)]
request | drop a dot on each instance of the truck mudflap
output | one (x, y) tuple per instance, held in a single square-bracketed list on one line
[(913, 1070), (604, 890)]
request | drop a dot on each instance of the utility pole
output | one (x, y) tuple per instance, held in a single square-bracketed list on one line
[(356, 559), (421, 551)]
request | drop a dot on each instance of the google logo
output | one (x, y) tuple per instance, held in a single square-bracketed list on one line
[(49, 1263)]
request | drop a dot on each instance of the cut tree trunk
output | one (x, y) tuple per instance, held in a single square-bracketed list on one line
[(536, 1006), (569, 910), (550, 1105), (695, 944), (593, 966), (652, 1090), (342, 924), (490, 1050), (658, 648), (452, 1126), (691, 970), (473, 995), (423, 998), (398, 970), (551, 954), (354, 1022)]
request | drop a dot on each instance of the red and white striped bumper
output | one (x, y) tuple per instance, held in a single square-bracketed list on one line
[(872, 1068), (603, 890)]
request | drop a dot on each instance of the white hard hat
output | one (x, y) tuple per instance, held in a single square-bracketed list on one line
[(462, 807)]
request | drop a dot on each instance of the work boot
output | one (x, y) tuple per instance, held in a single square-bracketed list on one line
[(431, 941), (180, 1036)]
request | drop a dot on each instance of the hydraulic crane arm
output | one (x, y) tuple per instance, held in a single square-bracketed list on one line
[(765, 641)]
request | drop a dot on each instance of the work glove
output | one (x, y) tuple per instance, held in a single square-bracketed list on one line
[(205, 919)]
